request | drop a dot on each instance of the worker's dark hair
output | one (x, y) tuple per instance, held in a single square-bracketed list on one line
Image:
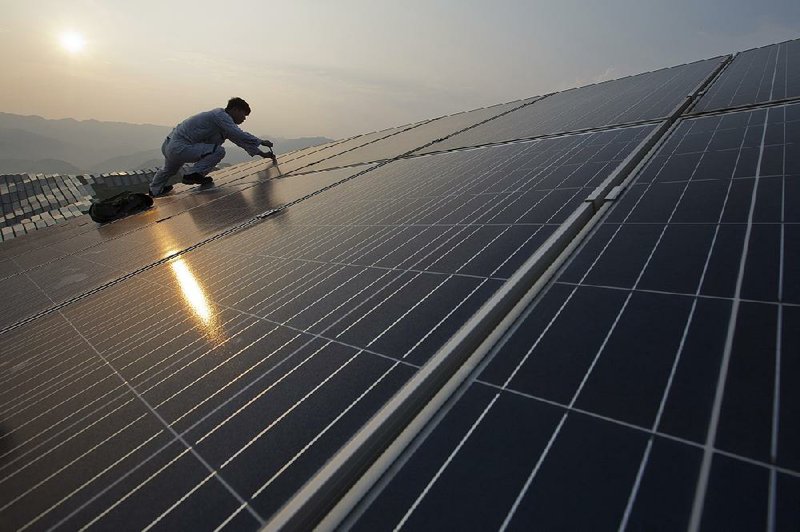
[(238, 103)]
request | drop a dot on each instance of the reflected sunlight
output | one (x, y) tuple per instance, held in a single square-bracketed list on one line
[(192, 292)]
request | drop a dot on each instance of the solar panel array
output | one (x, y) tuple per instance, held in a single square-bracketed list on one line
[(675, 406), (206, 369)]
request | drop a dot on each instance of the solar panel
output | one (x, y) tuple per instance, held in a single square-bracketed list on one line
[(414, 138), (649, 96), (58, 273), (243, 365), (305, 163), (756, 76), (651, 384)]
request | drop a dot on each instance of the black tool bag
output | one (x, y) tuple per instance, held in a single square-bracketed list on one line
[(119, 206)]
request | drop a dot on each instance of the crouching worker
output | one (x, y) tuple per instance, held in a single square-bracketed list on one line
[(199, 139)]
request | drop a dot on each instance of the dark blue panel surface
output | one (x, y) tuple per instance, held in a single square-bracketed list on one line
[(669, 330), (737, 496), (755, 76), (460, 462)]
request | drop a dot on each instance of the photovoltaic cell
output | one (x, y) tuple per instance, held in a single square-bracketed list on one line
[(647, 96), (756, 76), (242, 366), (656, 365)]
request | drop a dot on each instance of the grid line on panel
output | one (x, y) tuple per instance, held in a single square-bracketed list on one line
[(705, 467), (16, 353), (285, 413), (36, 369), (778, 336), (230, 518), (444, 465), (178, 503), (412, 152), (779, 102), (67, 464), (319, 435), (534, 138), (127, 495), (172, 431), (88, 482), (17, 458), (638, 428), (27, 402), (675, 293)]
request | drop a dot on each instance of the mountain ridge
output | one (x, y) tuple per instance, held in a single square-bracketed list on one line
[(94, 146)]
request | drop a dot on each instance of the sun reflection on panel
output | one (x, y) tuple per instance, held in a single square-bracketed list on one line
[(197, 300), (192, 292)]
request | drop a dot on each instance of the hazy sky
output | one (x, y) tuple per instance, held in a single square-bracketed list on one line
[(337, 68)]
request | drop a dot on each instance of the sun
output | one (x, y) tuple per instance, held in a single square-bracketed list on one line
[(73, 42)]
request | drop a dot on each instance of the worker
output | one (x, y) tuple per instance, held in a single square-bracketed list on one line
[(198, 140)]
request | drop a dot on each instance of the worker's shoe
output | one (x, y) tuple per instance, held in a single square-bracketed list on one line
[(164, 191), (196, 179)]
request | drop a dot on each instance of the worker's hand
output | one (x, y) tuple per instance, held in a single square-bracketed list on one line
[(266, 143), (269, 155)]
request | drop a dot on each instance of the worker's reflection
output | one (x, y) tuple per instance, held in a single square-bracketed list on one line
[(242, 201)]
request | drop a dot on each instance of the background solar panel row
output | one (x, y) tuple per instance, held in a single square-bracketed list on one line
[(649, 96), (756, 76), (419, 136), (669, 341), (217, 384)]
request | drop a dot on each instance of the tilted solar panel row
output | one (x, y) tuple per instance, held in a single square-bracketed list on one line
[(653, 383)]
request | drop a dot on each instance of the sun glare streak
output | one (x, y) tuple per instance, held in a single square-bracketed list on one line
[(72, 42), (192, 292)]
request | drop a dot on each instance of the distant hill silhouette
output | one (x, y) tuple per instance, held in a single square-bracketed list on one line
[(70, 146), (37, 166)]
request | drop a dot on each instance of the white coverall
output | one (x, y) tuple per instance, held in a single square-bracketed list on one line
[(198, 140)]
